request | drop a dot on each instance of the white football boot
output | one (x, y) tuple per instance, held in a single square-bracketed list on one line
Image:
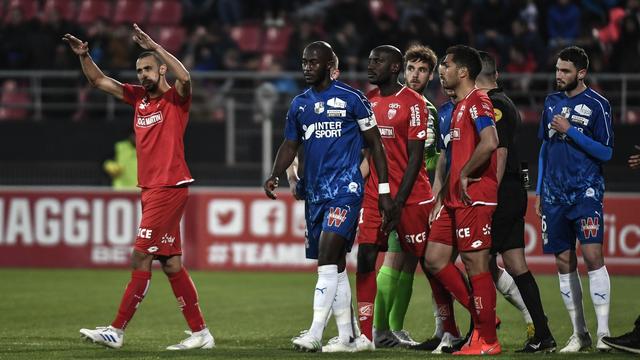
[(447, 341), (197, 340), (404, 338), (577, 343), (104, 335), (307, 342)]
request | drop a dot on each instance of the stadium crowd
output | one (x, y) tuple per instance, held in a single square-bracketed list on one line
[(269, 35)]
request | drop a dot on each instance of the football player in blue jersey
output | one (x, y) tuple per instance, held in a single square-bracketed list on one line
[(332, 121), (577, 139)]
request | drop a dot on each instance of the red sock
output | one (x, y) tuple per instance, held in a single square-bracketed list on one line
[(366, 289), (484, 294), (187, 297), (452, 280), (133, 295), (444, 303)]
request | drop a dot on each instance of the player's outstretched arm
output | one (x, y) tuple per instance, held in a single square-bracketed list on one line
[(488, 143), (94, 75), (183, 79), (390, 214), (286, 153)]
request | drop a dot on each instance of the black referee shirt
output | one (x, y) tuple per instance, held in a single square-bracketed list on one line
[(508, 123)]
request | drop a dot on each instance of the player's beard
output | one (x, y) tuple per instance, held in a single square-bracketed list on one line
[(150, 85), (569, 86)]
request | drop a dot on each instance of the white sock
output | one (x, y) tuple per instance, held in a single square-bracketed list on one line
[(324, 294), (571, 292), (509, 290), (600, 288), (439, 332), (342, 309)]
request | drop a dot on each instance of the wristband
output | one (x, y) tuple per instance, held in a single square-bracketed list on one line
[(383, 188)]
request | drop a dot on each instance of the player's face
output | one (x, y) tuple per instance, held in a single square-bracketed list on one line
[(448, 71), (566, 75), (379, 68), (314, 66), (148, 71), (417, 75)]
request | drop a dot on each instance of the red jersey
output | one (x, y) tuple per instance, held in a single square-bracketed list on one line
[(401, 117), (464, 139), (159, 124)]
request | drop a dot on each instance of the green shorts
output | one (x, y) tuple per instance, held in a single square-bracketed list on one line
[(394, 244)]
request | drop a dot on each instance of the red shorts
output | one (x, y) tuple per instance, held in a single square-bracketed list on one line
[(159, 231), (470, 226), (413, 228)]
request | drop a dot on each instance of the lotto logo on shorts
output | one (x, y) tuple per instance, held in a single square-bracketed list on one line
[(590, 227), (365, 309), (336, 216)]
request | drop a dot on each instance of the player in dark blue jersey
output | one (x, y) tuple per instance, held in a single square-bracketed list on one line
[(331, 120), (577, 138)]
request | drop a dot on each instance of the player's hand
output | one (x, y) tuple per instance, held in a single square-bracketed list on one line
[(78, 46), (270, 186), (434, 211), (538, 206), (465, 181), (634, 160), (560, 124), (143, 39), (389, 212)]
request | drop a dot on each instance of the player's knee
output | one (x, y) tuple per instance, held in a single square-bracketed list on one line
[(476, 262), (367, 256), (593, 261), (141, 261)]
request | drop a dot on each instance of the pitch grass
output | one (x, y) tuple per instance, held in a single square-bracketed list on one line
[(252, 315)]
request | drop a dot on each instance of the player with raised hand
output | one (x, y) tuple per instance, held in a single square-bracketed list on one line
[(332, 121), (468, 199), (577, 139), (402, 118), (161, 116)]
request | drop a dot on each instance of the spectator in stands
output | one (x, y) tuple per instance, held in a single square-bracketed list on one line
[(491, 19), (14, 102), (347, 43), (563, 23), (305, 32), (229, 12), (626, 51), (14, 49)]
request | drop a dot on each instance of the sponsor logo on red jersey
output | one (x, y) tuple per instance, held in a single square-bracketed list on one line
[(149, 120), (386, 131), (415, 115)]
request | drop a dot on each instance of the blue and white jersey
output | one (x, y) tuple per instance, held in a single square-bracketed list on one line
[(328, 124), (445, 112), (569, 171)]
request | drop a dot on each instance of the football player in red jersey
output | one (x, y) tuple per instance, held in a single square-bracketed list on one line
[(468, 200), (161, 116), (402, 120)]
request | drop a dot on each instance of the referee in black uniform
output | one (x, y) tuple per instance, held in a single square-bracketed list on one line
[(508, 219)]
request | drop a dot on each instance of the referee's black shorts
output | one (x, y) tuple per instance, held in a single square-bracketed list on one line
[(507, 228)]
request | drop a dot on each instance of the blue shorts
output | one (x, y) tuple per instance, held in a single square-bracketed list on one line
[(339, 215), (563, 224)]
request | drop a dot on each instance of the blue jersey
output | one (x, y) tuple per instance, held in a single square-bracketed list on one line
[(569, 171), (445, 112), (327, 124)]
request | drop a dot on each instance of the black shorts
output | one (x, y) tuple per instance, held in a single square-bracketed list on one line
[(507, 228)]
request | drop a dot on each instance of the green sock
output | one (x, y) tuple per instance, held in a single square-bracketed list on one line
[(401, 301), (387, 281)]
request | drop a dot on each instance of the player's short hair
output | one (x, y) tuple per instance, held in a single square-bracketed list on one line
[(576, 55), (392, 51), (422, 53), (466, 56), (151, 53), (489, 68)]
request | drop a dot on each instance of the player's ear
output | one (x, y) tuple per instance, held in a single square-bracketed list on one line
[(582, 74), (163, 69)]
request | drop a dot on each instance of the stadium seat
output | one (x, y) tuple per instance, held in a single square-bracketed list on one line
[(65, 8), (277, 40), (91, 10), (29, 8), (130, 11), (247, 37), (165, 12), (170, 37)]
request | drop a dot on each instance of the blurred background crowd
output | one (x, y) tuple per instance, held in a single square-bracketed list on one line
[(233, 47)]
